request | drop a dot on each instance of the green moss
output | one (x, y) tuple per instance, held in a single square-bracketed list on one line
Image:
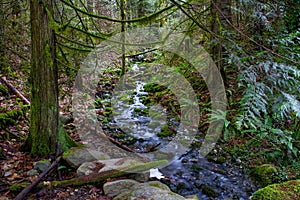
[(196, 167), (3, 90), (158, 185), (150, 87), (165, 131), (137, 109), (209, 191), (221, 160), (263, 174), (289, 190), (120, 136), (10, 117), (18, 187)]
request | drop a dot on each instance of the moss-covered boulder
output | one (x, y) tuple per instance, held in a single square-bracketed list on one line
[(289, 190), (150, 190), (263, 174), (77, 156)]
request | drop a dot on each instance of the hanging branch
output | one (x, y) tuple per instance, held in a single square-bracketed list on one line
[(75, 42), (147, 17)]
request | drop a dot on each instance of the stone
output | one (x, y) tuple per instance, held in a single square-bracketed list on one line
[(42, 165), (106, 165), (150, 190), (115, 188), (77, 156), (263, 174), (32, 172), (287, 190)]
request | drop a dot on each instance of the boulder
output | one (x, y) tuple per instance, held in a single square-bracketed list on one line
[(284, 191), (77, 156), (263, 174), (115, 188), (149, 190), (42, 165)]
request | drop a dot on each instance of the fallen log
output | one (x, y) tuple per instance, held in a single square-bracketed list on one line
[(14, 90)]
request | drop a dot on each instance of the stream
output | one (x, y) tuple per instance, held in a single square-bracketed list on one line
[(138, 126)]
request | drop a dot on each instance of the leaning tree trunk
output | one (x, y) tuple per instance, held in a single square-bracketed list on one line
[(44, 82)]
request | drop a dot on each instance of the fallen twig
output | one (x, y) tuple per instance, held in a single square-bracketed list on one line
[(24, 192), (14, 90)]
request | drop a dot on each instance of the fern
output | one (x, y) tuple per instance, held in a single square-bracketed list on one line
[(269, 101)]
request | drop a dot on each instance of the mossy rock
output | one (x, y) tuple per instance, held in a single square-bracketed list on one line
[(289, 190), (165, 131), (263, 174), (209, 191)]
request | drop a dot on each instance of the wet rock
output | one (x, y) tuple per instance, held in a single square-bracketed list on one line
[(115, 188), (77, 156), (150, 190), (263, 174), (42, 165), (288, 191)]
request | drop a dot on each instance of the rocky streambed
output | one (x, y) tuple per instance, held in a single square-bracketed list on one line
[(131, 117)]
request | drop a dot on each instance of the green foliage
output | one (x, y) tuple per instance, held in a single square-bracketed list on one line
[(269, 103)]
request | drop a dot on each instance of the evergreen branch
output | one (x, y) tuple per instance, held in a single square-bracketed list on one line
[(75, 42), (103, 37), (147, 17), (85, 28), (252, 40), (193, 19), (92, 19), (74, 48)]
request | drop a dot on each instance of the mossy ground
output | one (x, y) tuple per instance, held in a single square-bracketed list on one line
[(289, 190)]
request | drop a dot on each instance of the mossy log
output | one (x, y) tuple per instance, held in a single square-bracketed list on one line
[(103, 176)]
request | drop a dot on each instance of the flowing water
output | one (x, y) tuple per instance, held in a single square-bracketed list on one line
[(186, 175)]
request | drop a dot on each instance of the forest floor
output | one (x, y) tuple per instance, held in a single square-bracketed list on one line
[(15, 164)]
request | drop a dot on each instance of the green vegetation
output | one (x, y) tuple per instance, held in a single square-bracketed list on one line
[(288, 191), (264, 174)]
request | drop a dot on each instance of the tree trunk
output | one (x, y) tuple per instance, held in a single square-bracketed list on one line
[(220, 12), (123, 28), (2, 36), (43, 132)]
